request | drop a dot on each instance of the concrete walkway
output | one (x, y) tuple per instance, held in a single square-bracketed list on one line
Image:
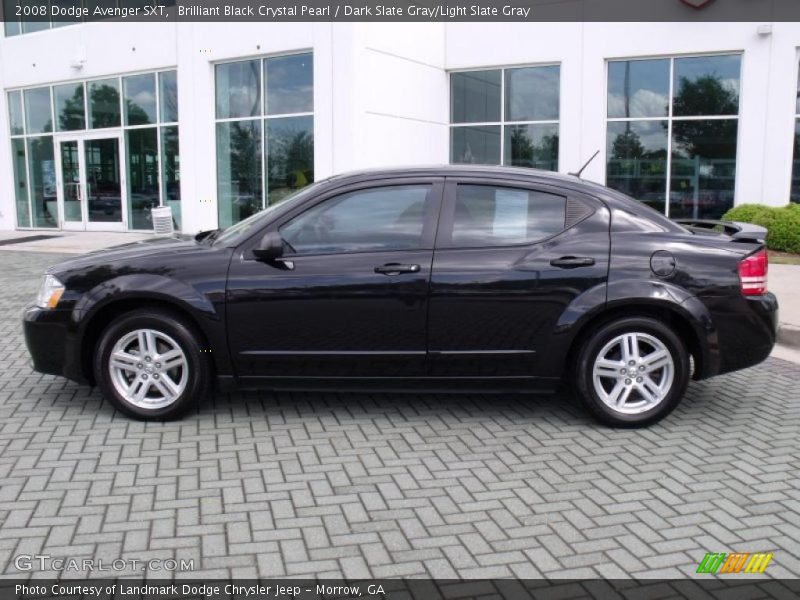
[(784, 282), (70, 242)]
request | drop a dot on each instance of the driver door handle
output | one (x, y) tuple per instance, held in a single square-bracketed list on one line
[(570, 262), (396, 269)]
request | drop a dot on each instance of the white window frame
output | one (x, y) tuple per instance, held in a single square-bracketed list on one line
[(795, 121)]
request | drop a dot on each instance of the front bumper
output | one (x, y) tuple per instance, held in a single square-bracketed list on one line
[(53, 347)]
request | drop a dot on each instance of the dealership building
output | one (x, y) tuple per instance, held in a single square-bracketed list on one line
[(102, 122)]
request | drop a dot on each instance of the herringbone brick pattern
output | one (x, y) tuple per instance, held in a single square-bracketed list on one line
[(334, 485)]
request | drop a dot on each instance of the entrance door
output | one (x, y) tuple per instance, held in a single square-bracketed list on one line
[(91, 190)]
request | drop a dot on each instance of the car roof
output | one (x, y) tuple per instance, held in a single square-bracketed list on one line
[(456, 170), (488, 171)]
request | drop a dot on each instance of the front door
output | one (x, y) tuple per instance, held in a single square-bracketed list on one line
[(349, 297), (91, 186)]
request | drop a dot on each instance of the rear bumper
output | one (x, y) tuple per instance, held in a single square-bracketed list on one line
[(53, 348), (747, 332)]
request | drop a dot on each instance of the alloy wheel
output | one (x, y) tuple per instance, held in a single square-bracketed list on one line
[(148, 368), (633, 373)]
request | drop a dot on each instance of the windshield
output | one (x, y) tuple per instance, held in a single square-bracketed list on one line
[(236, 233)]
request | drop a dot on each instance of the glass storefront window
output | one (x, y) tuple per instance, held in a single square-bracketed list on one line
[(38, 115), (638, 88), (171, 171), (20, 182), (676, 154), (70, 107), (139, 92), (532, 146), (290, 156), (475, 96), (637, 160), (239, 170), (168, 96), (706, 85), (475, 145), (506, 116), (703, 168), (263, 155), (143, 192), (150, 132), (289, 84), (12, 25), (15, 113), (42, 170), (794, 192), (34, 26), (238, 89), (532, 94), (104, 110)]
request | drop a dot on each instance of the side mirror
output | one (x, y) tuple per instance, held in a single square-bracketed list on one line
[(270, 247)]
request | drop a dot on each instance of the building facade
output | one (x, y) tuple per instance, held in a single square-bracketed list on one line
[(101, 122)]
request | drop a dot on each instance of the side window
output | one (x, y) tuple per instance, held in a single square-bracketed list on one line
[(487, 215), (386, 218)]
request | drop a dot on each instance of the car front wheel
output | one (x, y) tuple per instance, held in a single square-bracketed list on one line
[(632, 372), (149, 364)]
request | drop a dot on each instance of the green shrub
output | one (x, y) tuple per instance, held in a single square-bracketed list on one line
[(782, 223), (745, 212), (784, 234)]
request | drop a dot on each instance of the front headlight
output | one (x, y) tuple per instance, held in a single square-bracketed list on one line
[(50, 292)]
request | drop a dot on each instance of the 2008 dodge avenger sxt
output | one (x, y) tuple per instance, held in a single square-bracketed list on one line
[(446, 278)]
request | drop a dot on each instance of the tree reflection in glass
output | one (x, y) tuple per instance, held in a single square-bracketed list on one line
[(637, 160), (104, 108), (794, 194), (70, 109), (534, 146), (239, 189), (703, 150), (290, 156)]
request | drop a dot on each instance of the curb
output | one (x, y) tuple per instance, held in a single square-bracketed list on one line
[(789, 335)]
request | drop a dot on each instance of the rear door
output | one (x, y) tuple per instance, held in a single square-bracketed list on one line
[(510, 258)]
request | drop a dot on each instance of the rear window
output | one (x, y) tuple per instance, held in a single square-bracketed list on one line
[(501, 216)]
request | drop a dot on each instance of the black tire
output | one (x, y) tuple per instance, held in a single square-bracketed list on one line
[(584, 383), (177, 329)]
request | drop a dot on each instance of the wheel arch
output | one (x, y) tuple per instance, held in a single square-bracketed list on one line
[(112, 309), (688, 326)]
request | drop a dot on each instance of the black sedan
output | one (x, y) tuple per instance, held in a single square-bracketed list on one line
[(445, 278)]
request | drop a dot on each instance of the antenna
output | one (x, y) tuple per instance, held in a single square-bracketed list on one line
[(578, 174)]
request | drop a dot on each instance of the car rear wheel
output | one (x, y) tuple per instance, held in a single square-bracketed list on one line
[(149, 365), (632, 372)]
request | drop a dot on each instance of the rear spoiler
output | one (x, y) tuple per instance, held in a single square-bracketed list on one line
[(742, 232)]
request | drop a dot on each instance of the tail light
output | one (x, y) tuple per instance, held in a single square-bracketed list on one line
[(753, 274)]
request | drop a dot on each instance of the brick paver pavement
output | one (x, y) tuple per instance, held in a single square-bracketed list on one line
[(378, 485)]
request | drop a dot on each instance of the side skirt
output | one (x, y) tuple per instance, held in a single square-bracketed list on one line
[(527, 385)]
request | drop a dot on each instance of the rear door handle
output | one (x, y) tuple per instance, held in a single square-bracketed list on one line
[(396, 269), (570, 262)]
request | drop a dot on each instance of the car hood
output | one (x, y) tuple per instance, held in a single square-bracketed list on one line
[(151, 247)]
